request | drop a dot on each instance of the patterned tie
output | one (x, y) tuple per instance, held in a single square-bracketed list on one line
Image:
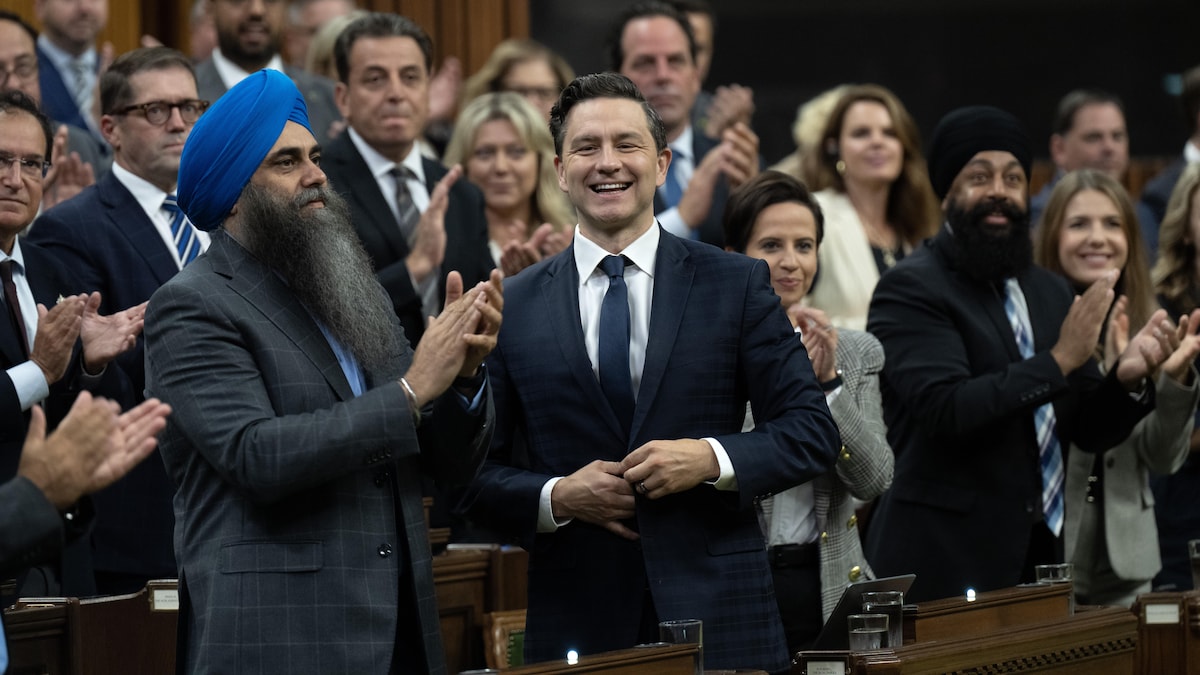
[(14, 306), (80, 91), (405, 208), (1049, 452), (615, 379), (187, 244)]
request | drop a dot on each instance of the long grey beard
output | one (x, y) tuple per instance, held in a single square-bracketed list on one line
[(318, 254)]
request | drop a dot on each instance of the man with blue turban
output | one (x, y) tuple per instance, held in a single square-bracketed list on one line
[(303, 420)]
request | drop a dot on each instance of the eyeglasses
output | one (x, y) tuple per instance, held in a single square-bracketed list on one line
[(31, 167), (158, 112), (23, 70)]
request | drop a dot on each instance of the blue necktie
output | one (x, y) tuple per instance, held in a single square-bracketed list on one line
[(615, 379), (187, 244), (1049, 452), (672, 191)]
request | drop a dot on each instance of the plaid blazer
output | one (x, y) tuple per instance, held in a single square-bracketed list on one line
[(299, 523), (718, 337)]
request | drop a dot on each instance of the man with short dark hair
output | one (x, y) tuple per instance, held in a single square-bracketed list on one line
[(653, 45), (621, 380), (989, 377), (413, 216), (125, 237), (249, 38), (302, 422), (1089, 133)]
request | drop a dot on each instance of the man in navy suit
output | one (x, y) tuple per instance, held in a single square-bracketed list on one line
[(654, 46), (119, 238), (52, 342), (384, 66), (617, 456), (68, 62)]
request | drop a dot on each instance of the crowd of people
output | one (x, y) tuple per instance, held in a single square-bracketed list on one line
[(327, 276)]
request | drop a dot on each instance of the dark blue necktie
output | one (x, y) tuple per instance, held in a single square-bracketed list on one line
[(615, 379)]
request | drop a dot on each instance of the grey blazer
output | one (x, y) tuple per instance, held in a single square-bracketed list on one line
[(1158, 443), (317, 92), (863, 470), (299, 527)]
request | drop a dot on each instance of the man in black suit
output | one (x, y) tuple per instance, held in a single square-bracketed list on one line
[(989, 377), (40, 350), (414, 218), (653, 45), (249, 38), (121, 237)]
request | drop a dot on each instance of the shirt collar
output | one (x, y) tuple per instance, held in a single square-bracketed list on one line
[(643, 252), (231, 74), (380, 165), (147, 194), (683, 144), (61, 59), (16, 256), (1191, 154)]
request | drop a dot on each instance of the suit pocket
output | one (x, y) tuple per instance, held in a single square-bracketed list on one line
[(271, 556), (944, 497)]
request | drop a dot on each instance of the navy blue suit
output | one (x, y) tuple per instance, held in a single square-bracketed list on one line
[(711, 229), (717, 338), (57, 101), (109, 243)]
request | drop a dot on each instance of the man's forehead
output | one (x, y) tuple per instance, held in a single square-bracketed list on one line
[(1097, 114), (654, 34), (23, 43), (19, 128), (992, 159), (609, 115)]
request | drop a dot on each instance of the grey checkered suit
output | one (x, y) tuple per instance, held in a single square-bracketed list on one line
[(299, 527)]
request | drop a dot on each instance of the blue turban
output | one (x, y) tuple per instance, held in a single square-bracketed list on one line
[(231, 140)]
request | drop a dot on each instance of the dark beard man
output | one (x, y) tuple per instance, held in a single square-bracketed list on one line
[(318, 254), (983, 255)]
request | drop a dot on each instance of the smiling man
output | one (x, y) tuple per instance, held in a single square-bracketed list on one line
[(621, 381), (989, 376), (303, 422)]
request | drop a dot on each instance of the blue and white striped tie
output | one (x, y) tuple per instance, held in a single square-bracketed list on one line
[(1049, 451), (187, 244)]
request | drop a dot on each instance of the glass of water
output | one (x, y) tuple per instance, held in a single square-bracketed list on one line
[(867, 631), (892, 604)]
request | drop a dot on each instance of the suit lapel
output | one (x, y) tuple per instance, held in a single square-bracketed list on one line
[(266, 291), (560, 294), (1041, 317), (672, 285), (137, 228), (366, 190)]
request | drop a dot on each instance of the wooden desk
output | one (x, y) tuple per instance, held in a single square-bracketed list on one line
[(460, 582), (1168, 632), (657, 660), (991, 611)]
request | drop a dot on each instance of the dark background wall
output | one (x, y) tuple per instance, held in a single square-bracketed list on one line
[(1022, 55)]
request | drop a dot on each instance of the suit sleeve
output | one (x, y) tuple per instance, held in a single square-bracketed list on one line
[(31, 530), (794, 439), (1162, 438), (866, 463), (212, 368)]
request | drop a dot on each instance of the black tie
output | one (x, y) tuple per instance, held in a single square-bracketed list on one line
[(14, 305), (615, 379)]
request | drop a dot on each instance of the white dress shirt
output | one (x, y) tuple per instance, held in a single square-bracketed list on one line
[(26, 377), (593, 285), (232, 74), (685, 165), (150, 198)]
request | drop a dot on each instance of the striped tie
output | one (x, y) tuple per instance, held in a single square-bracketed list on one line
[(406, 209), (187, 244), (1049, 452)]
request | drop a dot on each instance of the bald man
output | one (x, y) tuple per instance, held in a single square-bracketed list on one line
[(303, 420)]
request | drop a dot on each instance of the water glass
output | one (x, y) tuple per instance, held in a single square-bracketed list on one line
[(867, 631), (890, 603)]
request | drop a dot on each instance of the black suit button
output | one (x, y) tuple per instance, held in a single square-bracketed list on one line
[(382, 477), (385, 550)]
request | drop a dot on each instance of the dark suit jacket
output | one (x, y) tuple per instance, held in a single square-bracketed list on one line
[(317, 92), (57, 101), (300, 532), (466, 230), (112, 247), (711, 230), (717, 338), (1152, 207), (959, 404)]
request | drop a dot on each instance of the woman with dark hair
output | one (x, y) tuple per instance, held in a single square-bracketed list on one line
[(873, 185), (1088, 230), (811, 529)]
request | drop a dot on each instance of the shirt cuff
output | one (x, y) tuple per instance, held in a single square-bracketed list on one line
[(832, 394), (473, 404), (673, 222), (727, 481), (30, 383), (546, 521)]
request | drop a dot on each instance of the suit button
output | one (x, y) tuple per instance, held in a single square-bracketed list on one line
[(852, 522), (845, 453), (824, 536), (385, 550), (381, 478), (855, 573)]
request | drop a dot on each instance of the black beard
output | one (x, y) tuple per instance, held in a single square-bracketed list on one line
[(986, 257), (231, 48), (318, 254)]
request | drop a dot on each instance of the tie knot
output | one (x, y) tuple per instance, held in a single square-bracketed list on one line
[(614, 265), (171, 204), (402, 172), (6, 269)]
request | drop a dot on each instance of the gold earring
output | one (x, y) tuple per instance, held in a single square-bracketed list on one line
[(841, 167)]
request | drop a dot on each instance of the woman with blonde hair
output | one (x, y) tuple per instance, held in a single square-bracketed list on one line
[(1089, 230), (506, 150), (526, 67), (874, 188)]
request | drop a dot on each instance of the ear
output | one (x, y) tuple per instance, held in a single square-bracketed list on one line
[(664, 161), (108, 128), (1058, 150), (559, 171), (341, 97)]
